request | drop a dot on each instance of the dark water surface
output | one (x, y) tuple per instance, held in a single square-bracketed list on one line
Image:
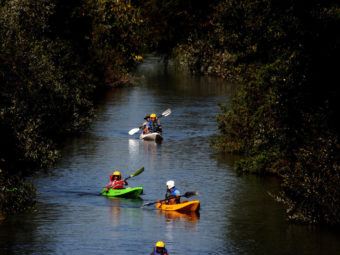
[(237, 214)]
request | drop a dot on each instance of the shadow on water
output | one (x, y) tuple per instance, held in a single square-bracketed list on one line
[(257, 224), (22, 234)]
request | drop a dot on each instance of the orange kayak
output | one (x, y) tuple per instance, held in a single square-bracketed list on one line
[(188, 206)]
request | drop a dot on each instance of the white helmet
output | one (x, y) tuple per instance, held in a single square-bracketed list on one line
[(170, 184)]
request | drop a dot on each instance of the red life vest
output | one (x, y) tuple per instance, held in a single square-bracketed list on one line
[(119, 184)]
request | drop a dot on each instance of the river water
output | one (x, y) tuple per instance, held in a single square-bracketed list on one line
[(238, 216)]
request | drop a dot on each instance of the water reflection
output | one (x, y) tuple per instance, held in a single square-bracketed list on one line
[(17, 232), (238, 216), (133, 147), (254, 225), (150, 148), (179, 216), (115, 211)]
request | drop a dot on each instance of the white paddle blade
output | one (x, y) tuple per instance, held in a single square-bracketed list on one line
[(133, 131), (166, 112)]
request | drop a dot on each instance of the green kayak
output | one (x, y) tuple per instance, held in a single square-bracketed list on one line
[(127, 192)]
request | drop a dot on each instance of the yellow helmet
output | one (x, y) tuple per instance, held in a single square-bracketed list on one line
[(160, 244), (117, 173), (138, 58), (153, 115)]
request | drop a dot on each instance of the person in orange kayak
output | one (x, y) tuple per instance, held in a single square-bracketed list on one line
[(116, 181), (159, 249), (172, 193), (153, 124)]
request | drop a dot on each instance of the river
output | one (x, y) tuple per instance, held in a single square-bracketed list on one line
[(238, 215)]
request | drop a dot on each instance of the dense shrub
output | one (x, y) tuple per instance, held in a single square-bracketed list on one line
[(16, 194), (285, 54), (54, 56), (118, 34), (311, 187), (283, 118)]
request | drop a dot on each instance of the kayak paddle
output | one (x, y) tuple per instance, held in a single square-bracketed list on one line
[(134, 130), (138, 172), (186, 194), (166, 113)]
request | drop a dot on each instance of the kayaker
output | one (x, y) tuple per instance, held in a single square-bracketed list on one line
[(145, 124), (116, 181), (153, 124), (172, 193), (159, 249)]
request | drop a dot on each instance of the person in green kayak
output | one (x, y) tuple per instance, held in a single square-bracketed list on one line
[(159, 249), (172, 193), (116, 181)]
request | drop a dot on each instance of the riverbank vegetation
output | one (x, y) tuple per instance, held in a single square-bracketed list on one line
[(54, 58), (284, 117), (56, 55)]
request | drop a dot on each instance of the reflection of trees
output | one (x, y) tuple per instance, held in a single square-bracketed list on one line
[(255, 219), (21, 234), (256, 224)]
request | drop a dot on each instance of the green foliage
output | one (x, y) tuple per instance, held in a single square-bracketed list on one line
[(171, 22), (54, 57), (118, 35), (311, 187), (284, 116), (16, 195), (260, 164), (43, 93), (55, 54)]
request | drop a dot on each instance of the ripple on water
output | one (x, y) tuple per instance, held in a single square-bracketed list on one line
[(237, 216)]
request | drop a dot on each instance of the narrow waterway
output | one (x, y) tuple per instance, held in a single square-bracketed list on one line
[(237, 215)]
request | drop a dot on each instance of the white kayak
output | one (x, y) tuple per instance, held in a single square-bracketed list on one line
[(157, 137)]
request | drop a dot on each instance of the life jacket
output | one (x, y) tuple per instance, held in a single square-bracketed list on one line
[(173, 192), (153, 126), (119, 184), (165, 252)]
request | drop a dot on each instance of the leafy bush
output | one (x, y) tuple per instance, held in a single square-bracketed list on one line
[(16, 194), (54, 56), (282, 118)]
